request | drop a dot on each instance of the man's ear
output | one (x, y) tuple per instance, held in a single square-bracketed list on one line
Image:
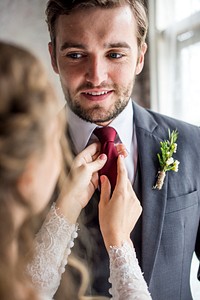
[(140, 62), (53, 58)]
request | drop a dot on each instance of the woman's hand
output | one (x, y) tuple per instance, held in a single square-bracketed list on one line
[(118, 215), (81, 182)]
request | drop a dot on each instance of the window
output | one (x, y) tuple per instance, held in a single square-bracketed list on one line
[(174, 38)]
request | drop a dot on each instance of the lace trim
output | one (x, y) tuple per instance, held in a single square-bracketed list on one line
[(125, 274), (52, 248)]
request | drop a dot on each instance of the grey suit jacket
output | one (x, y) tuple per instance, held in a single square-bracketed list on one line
[(170, 218)]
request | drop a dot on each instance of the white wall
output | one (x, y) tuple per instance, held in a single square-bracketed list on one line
[(23, 22)]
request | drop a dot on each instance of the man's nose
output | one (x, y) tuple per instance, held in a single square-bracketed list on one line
[(96, 72)]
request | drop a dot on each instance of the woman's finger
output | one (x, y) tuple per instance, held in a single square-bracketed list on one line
[(121, 172), (105, 190), (97, 164), (89, 154), (121, 149)]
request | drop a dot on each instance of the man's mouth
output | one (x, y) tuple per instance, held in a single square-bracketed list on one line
[(96, 95)]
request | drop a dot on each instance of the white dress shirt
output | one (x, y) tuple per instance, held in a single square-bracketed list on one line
[(81, 133)]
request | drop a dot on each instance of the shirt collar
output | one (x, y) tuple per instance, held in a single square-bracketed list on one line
[(81, 131)]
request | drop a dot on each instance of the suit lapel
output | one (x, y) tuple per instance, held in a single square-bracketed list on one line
[(153, 201)]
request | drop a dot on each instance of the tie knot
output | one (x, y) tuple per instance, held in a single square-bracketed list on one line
[(105, 134)]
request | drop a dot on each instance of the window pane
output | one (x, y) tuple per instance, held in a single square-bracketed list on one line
[(187, 105), (185, 8), (171, 11)]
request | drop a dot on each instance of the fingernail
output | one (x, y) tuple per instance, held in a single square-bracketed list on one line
[(102, 156), (121, 156), (102, 179)]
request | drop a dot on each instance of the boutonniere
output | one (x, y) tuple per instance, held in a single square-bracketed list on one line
[(167, 162)]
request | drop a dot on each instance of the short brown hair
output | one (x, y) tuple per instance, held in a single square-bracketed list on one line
[(55, 8)]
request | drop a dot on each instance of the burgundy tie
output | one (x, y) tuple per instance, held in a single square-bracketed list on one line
[(106, 136)]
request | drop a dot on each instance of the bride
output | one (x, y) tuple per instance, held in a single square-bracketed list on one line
[(31, 164)]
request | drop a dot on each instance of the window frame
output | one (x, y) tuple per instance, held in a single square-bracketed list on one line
[(165, 46)]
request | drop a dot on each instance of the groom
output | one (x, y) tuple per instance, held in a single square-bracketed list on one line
[(97, 47)]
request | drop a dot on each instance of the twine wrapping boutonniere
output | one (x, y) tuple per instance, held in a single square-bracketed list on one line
[(167, 162)]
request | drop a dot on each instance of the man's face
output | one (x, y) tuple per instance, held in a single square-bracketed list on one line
[(97, 59)]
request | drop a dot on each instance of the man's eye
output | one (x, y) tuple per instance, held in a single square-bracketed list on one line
[(75, 55), (115, 55)]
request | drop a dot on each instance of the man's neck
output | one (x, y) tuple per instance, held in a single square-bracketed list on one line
[(80, 131)]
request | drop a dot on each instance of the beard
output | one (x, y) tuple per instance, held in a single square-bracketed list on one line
[(98, 114)]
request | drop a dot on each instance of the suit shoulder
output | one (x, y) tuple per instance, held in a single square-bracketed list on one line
[(173, 123), (152, 128), (158, 124)]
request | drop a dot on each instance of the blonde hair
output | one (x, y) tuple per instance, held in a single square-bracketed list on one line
[(27, 102), (27, 105)]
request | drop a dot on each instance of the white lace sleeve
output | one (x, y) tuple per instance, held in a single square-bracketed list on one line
[(52, 247), (125, 275)]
